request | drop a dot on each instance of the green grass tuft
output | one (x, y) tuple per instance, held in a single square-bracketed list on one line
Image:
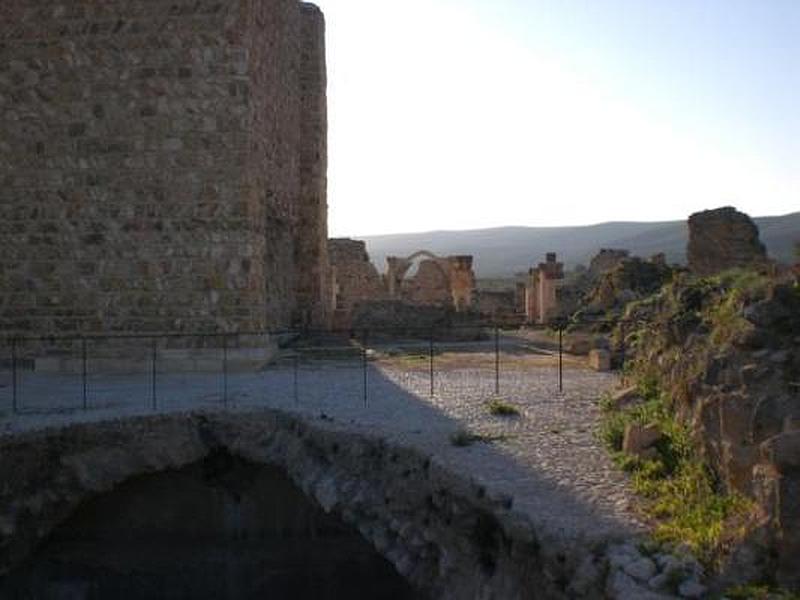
[(501, 408), (760, 592), (679, 492), (464, 437)]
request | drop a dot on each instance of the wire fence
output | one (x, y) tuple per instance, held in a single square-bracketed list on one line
[(68, 373)]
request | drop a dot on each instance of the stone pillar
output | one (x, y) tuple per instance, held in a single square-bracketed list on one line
[(532, 297), (462, 281), (396, 269), (541, 297)]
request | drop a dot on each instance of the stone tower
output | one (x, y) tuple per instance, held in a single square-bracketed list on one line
[(162, 166)]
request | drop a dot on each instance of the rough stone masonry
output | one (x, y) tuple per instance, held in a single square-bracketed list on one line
[(162, 166)]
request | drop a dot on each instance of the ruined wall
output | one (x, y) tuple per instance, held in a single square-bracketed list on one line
[(439, 281), (499, 306), (462, 281), (541, 290), (355, 279), (430, 285), (722, 239), (607, 259), (161, 166), (727, 356)]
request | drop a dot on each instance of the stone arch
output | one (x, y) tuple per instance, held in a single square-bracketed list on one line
[(223, 527), (398, 269), (440, 531)]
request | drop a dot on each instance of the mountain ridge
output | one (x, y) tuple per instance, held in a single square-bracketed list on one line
[(504, 251)]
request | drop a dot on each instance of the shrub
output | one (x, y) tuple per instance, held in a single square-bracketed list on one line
[(501, 408)]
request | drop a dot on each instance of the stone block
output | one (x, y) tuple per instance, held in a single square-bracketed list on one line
[(599, 359), (626, 398), (640, 440), (783, 451)]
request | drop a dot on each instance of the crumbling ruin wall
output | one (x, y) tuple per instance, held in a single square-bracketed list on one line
[(722, 239), (355, 279), (429, 286), (727, 355), (630, 279), (606, 260), (162, 166), (541, 290), (462, 281), (439, 281)]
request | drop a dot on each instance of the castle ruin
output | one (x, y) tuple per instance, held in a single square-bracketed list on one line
[(163, 167), (721, 239), (541, 299)]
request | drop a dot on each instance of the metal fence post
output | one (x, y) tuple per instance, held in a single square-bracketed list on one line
[(14, 375), (560, 358), (296, 368), (364, 363), (84, 359), (622, 349), (431, 361), (154, 357), (225, 369), (496, 360)]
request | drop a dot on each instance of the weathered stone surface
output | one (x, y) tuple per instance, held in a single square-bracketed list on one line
[(783, 451), (627, 280), (626, 398), (439, 281), (401, 318), (428, 521), (606, 260), (162, 166), (722, 239), (739, 401), (355, 279), (640, 439), (541, 290), (499, 306), (599, 359)]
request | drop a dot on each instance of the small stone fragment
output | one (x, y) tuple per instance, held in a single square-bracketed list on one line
[(641, 570), (692, 589)]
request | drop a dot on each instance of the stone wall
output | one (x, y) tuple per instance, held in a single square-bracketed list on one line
[(499, 306), (162, 166), (439, 281), (429, 286), (606, 259), (355, 279), (462, 281), (722, 239)]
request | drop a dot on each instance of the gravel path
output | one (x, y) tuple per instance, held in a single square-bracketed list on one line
[(546, 462)]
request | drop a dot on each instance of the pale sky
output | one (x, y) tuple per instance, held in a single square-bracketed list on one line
[(462, 114)]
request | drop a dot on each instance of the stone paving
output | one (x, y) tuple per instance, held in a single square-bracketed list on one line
[(546, 462)]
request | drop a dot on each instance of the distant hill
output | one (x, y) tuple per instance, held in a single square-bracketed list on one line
[(503, 251)]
